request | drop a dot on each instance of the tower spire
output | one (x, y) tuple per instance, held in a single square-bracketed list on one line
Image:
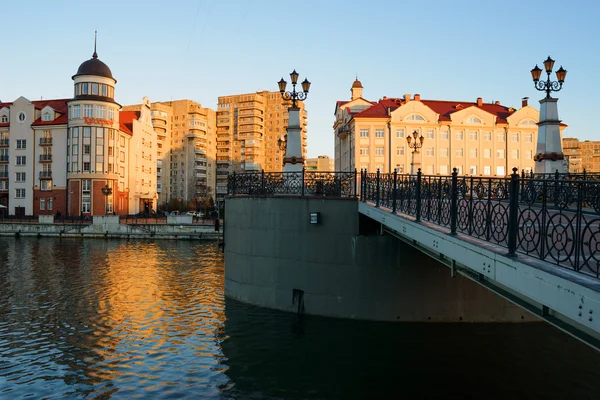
[(95, 55)]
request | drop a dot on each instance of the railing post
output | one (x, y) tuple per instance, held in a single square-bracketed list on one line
[(513, 214), (262, 181), (418, 197), (454, 202), (355, 183), (251, 183), (394, 190), (303, 170), (233, 185), (377, 190)]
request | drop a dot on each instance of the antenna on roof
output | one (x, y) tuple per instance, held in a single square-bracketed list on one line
[(95, 55)]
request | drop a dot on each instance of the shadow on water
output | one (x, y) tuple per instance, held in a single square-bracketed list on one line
[(272, 354)]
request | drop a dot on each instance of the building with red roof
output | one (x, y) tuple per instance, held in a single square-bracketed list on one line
[(476, 137)]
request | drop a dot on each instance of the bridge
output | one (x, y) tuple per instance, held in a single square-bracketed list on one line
[(532, 239)]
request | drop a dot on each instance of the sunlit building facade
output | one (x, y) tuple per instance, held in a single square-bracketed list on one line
[(477, 138), (320, 163), (582, 155)]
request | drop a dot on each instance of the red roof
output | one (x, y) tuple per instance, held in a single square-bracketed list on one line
[(58, 105), (126, 120)]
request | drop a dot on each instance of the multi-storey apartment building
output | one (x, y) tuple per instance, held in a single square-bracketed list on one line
[(186, 160), (320, 164), (477, 138), (250, 128), (58, 155), (582, 155)]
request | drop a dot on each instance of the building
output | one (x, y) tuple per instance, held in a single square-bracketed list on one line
[(582, 155), (320, 164), (477, 138), (249, 127), (186, 153), (74, 156)]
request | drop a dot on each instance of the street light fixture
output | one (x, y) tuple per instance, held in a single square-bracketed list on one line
[(548, 85), (106, 191), (415, 144), (293, 95), (282, 143)]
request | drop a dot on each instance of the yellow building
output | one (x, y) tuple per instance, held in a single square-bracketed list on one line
[(186, 154), (582, 155), (320, 164), (477, 138), (248, 129)]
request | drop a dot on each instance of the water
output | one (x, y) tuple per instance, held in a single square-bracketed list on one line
[(116, 319)]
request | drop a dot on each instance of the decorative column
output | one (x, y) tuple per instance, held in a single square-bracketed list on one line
[(549, 155)]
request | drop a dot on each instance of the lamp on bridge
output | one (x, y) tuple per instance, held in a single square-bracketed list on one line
[(549, 155), (415, 142), (106, 191), (293, 161), (282, 143)]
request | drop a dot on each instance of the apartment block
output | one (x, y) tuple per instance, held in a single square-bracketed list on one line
[(320, 164), (582, 155), (477, 138), (250, 128)]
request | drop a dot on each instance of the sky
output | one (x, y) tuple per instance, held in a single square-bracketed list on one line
[(202, 49)]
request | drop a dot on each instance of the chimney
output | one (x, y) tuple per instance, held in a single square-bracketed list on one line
[(407, 97), (497, 102), (479, 102), (417, 97), (385, 97), (524, 101)]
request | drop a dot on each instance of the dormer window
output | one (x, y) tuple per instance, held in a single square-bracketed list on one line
[(4, 119), (47, 117)]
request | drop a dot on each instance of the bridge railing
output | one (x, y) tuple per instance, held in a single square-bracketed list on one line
[(303, 183), (553, 217)]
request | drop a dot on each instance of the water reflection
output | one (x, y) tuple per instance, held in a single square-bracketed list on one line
[(117, 319)]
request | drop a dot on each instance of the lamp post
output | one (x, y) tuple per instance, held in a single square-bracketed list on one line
[(549, 155), (106, 191), (293, 161), (282, 143), (415, 144)]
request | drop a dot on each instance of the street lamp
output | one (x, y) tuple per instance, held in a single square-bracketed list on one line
[(282, 143), (548, 85), (293, 95), (106, 191), (415, 144)]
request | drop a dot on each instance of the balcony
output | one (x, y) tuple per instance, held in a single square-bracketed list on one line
[(45, 174), (199, 151), (4, 188), (46, 141), (200, 167), (222, 173), (3, 174), (3, 158), (3, 142), (45, 157)]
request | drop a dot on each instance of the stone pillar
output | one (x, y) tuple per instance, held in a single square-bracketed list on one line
[(549, 155), (293, 161)]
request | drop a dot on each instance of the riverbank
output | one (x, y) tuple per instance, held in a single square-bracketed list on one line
[(176, 228)]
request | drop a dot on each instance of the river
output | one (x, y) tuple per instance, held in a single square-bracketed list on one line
[(117, 319)]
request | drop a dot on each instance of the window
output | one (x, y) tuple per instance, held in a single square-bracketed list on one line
[(20, 177), (399, 151), (500, 136), (515, 137), (459, 152), (95, 89), (529, 154), (444, 152), (75, 132), (414, 117), (487, 136), (400, 168), (86, 149), (21, 160), (4, 119), (430, 134), (379, 133), (75, 148), (88, 110), (487, 153), (430, 152), (47, 117), (87, 131), (487, 170), (459, 169), (46, 185), (122, 156), (443, 170), (74, 166), (42, 204), (474, 121), (86, 88), (101, 112), (364, 133), (86, 167), (21, 144), (99, 166), (473, 135), (514, 154), (400, 133), (111, 114), (528, 122), (379, 151), (104, 91), (76, 111), (529, 137), (444, 135), (20, 193), (50, 205), (500, 170), (473, 170), (22, 116), (459, 135), (473, 153), (364, 151), (500, 153)]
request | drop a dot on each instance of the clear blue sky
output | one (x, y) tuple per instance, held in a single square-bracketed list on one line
[(202, 49)]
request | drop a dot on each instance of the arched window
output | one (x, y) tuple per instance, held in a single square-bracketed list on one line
[(47, 117), (414, 117), (474, 121), (4, 119), (527, 122)]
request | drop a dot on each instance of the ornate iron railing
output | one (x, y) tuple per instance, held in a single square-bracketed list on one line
[(303, 183), (555, 218)]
